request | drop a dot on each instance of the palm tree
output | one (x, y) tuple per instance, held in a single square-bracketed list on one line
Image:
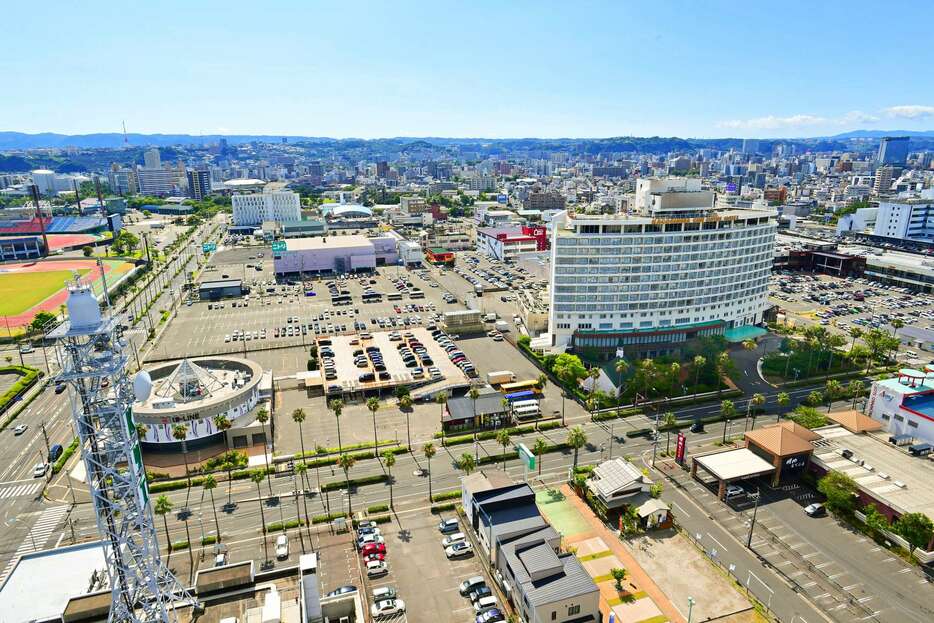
[(502, 438), (896, 325), (699, 362), (855, 389), (834, 341), (723, 360), (373, 405), (727, 410), (345, 462), (258, 477), (405, 405), (855, 333), (577, 439), (300, 470), (832, 389), (429, 451), (783, 399), (749, 345), (298, 416), (474, 393), (441, 399), (591, 404), (755, 402), (675, 371), (262, 416), (337, 405), (210, 483), (539, 449), (594, 374), (505, 405), (669, 421), (298, 510), (222, 423), (542, 380), (163, 507), (389, 459), (467, 463), (179, 433), (622, 367)]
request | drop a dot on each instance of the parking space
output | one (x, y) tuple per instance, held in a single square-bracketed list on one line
[(422, 575), (843, 303)]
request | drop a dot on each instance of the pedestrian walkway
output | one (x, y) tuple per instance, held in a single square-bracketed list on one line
[(637, 576), (20, 490), (41, 531)]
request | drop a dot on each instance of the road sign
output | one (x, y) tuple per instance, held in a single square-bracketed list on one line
[(278, 246), (526, 455), (209, 247)]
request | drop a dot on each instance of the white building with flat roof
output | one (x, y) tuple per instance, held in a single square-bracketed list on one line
[(272, 206), (674, 269), (909, 218)]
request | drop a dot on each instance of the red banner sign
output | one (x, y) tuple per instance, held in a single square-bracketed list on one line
[(682, 444)]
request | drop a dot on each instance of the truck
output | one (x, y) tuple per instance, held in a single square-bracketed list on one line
[(498, 378), (491, 317), (502, 326)]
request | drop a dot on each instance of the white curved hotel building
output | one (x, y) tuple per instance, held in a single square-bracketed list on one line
[(671, 269)]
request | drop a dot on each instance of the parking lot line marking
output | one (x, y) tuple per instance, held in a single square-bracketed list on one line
[(890, 559), (822, 565), (863, 600), (811, 555), (875, 549), (851, 586), (681, 510), (783, 563), (808, 585), (822, 595), (717, 542), (905, 570), (835, 576)]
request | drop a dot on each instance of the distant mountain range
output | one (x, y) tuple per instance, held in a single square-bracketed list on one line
[(10, 141)]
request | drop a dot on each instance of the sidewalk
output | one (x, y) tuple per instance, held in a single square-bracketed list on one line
[(636, 575)]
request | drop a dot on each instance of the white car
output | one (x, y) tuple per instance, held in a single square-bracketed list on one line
[(366, 539), (387, 608), (376, 568), (458, 549), (282, 547), (40, 470), (226, 338)]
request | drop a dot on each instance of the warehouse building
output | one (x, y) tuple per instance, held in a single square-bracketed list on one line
[(334, 254), (216, 290)]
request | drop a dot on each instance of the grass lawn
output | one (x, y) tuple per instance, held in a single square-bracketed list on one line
[(20, 291), (560, 513)]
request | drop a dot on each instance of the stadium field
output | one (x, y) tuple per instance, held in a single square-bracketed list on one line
[(20, 292)]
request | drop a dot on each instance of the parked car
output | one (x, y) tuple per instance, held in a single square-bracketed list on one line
[(457, 537), (384, 592), (371, 548), (40, 470), (491, 616), (471, 584), (734, 491), (479, 593), (19, 430), (457, 550), (815, 510), (376, 568), (342, 590), (282, 547), (387, 608), (448, 526)]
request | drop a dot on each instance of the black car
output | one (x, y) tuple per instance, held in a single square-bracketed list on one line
[(342, 591), (60, 388)]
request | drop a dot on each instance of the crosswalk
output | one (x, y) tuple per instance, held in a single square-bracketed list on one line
[(18, 491), (41, 531)]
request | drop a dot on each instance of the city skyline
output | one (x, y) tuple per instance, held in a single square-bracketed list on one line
[(484, 71)]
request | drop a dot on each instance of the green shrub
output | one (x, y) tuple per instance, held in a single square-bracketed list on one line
[(809, 417), (276, 526), (612, 415), (319, 450), (60, 463), (440, 508), (209, 540), (377, 508), (233, 458), (639, 432), (159, 487), (179, 545), (447, 495)]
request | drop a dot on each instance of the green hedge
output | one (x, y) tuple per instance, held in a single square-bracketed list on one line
[(320, 451), (178, 545), (639, 432), (447, 495), (60, 463), (27, 380), (381, 519), (209, 540), (612, 415), (377, 508), (326, 518), (174, 485), (276, 526), (440, 508), (354, 482), (491, 434)]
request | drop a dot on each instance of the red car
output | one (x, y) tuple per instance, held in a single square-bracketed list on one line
[(373, 548), (375, 556)]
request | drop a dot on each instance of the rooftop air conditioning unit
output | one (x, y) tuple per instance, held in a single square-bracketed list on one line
[(883, 476), (899, 484)]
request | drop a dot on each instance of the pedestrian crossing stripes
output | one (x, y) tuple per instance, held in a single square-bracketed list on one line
[(41, 531), (20, 490)]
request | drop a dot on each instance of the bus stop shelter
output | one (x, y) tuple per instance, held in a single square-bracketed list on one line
[(731, 466)]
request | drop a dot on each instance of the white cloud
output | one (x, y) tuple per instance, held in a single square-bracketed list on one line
[(773, 123), (910, 112), (857, 116)]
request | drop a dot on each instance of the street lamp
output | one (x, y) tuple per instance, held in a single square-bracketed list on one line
[(691, 603)]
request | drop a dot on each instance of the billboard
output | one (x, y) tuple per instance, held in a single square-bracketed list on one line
[(278, 246), (209, 247), (680, 448)]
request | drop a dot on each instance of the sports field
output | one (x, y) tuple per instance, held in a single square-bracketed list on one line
[(21, 291)]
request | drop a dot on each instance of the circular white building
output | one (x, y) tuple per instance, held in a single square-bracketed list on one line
[(193, 392)]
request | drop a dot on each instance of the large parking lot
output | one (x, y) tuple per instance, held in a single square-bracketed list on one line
[(842, 303), (421, 574)]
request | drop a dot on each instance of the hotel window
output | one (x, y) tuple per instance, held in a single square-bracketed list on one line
[(572, 610)]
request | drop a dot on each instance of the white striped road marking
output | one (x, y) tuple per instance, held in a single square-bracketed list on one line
[(822, 595), (38, 534), (863, 600), (20, 490), (905, 570), (822, 565), (808, 585), (851, 586), (889, 559), (835, 575), (811, 555)]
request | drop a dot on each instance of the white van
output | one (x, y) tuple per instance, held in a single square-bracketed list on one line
[(484, 604)]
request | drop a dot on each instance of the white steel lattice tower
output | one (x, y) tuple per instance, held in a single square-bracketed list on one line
[(93, 360)]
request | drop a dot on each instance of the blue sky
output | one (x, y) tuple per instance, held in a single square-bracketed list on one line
[(482, 69)]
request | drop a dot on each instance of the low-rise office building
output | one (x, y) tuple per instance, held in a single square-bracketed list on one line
[(333, 254)]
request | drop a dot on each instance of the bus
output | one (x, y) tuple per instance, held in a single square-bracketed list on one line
[(520, 396), (526, 412), (519, 404), (507, 388), (394, 296)]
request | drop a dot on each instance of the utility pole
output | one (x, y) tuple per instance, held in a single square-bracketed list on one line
[(752, 524), (691, 603), (655, 438), (612, 423), (45, 435)]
